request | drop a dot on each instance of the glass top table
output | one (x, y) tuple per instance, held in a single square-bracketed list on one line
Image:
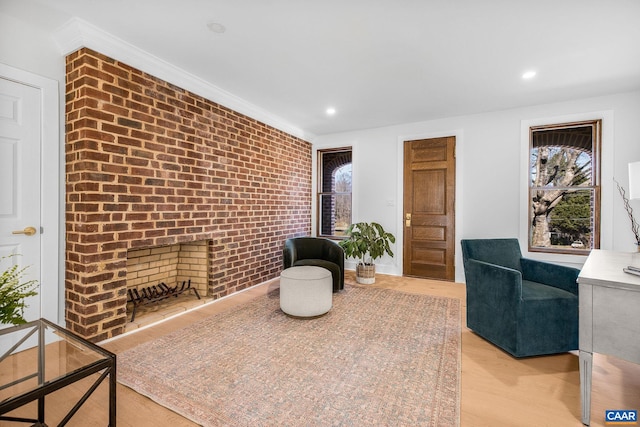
[(40, 357)]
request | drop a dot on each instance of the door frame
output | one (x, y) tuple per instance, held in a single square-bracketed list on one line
[(458, 134), (51, 292)]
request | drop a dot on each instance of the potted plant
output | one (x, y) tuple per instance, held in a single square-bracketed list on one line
[(13, 292), (367, 242)]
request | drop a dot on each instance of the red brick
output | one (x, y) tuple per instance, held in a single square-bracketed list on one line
[(159, 165)]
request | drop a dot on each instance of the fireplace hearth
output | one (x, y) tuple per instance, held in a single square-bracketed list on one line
[(153, 294)]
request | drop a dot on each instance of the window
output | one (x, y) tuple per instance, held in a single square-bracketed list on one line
[(334, 192), (564, 188)]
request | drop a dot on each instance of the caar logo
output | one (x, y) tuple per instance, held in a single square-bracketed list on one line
[(621, 417)]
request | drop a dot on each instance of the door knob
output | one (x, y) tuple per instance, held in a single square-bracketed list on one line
[(407, 222), (29, 231)]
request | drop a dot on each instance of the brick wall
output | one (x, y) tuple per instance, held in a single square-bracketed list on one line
[(150, 164)]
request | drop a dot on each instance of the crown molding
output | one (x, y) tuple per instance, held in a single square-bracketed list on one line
[(77, 33)]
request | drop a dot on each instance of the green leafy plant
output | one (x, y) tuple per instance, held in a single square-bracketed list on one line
[(13, 292), (367, 242)]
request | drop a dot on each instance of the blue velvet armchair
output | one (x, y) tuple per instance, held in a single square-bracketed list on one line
[(523, 306)]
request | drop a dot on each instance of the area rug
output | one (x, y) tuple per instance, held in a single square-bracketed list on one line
[(378, 358)]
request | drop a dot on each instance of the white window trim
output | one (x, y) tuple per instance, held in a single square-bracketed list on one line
[(606, 177)]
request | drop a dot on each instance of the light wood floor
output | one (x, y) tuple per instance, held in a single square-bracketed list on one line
[(496, 389)]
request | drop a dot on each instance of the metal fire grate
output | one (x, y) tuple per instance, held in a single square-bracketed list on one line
[(156, 293)]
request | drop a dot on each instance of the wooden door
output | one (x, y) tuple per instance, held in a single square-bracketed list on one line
[(429, 208)]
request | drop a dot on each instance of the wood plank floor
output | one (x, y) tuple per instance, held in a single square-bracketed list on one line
[(496, 389)]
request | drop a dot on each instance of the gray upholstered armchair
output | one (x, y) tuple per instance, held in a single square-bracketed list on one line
[(523, 306), (318, 252)]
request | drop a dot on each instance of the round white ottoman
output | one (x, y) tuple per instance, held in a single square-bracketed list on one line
[(306, 291)]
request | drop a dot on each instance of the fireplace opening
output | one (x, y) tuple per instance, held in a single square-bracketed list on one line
[(165, 280)]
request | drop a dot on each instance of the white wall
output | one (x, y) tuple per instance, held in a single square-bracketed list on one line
[(490, 170), (26, 43), (27, 47)]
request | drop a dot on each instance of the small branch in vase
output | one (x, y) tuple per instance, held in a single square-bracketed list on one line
[(634, 224)]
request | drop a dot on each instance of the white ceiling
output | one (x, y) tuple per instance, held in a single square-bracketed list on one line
[(377, 62)]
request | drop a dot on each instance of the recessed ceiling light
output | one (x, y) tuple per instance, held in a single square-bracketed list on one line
[(330, 111), (529, 75), (216, 27)]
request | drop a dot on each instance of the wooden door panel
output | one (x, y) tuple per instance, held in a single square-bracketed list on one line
[(429, 256), (429, 192), (429, 262), (420, 250), (429, 230), (424, 151)]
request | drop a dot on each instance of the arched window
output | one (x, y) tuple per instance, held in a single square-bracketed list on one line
[(334, 192)]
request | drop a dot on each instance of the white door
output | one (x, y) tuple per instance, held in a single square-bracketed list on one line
[(20, 192)]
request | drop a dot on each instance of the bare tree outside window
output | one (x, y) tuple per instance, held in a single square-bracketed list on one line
[(564, 192), (342, 179), (334, 192)]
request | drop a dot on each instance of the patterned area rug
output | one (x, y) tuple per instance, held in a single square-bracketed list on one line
[(379, 357)]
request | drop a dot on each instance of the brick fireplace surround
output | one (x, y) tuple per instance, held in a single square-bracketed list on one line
[(149, 164)]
